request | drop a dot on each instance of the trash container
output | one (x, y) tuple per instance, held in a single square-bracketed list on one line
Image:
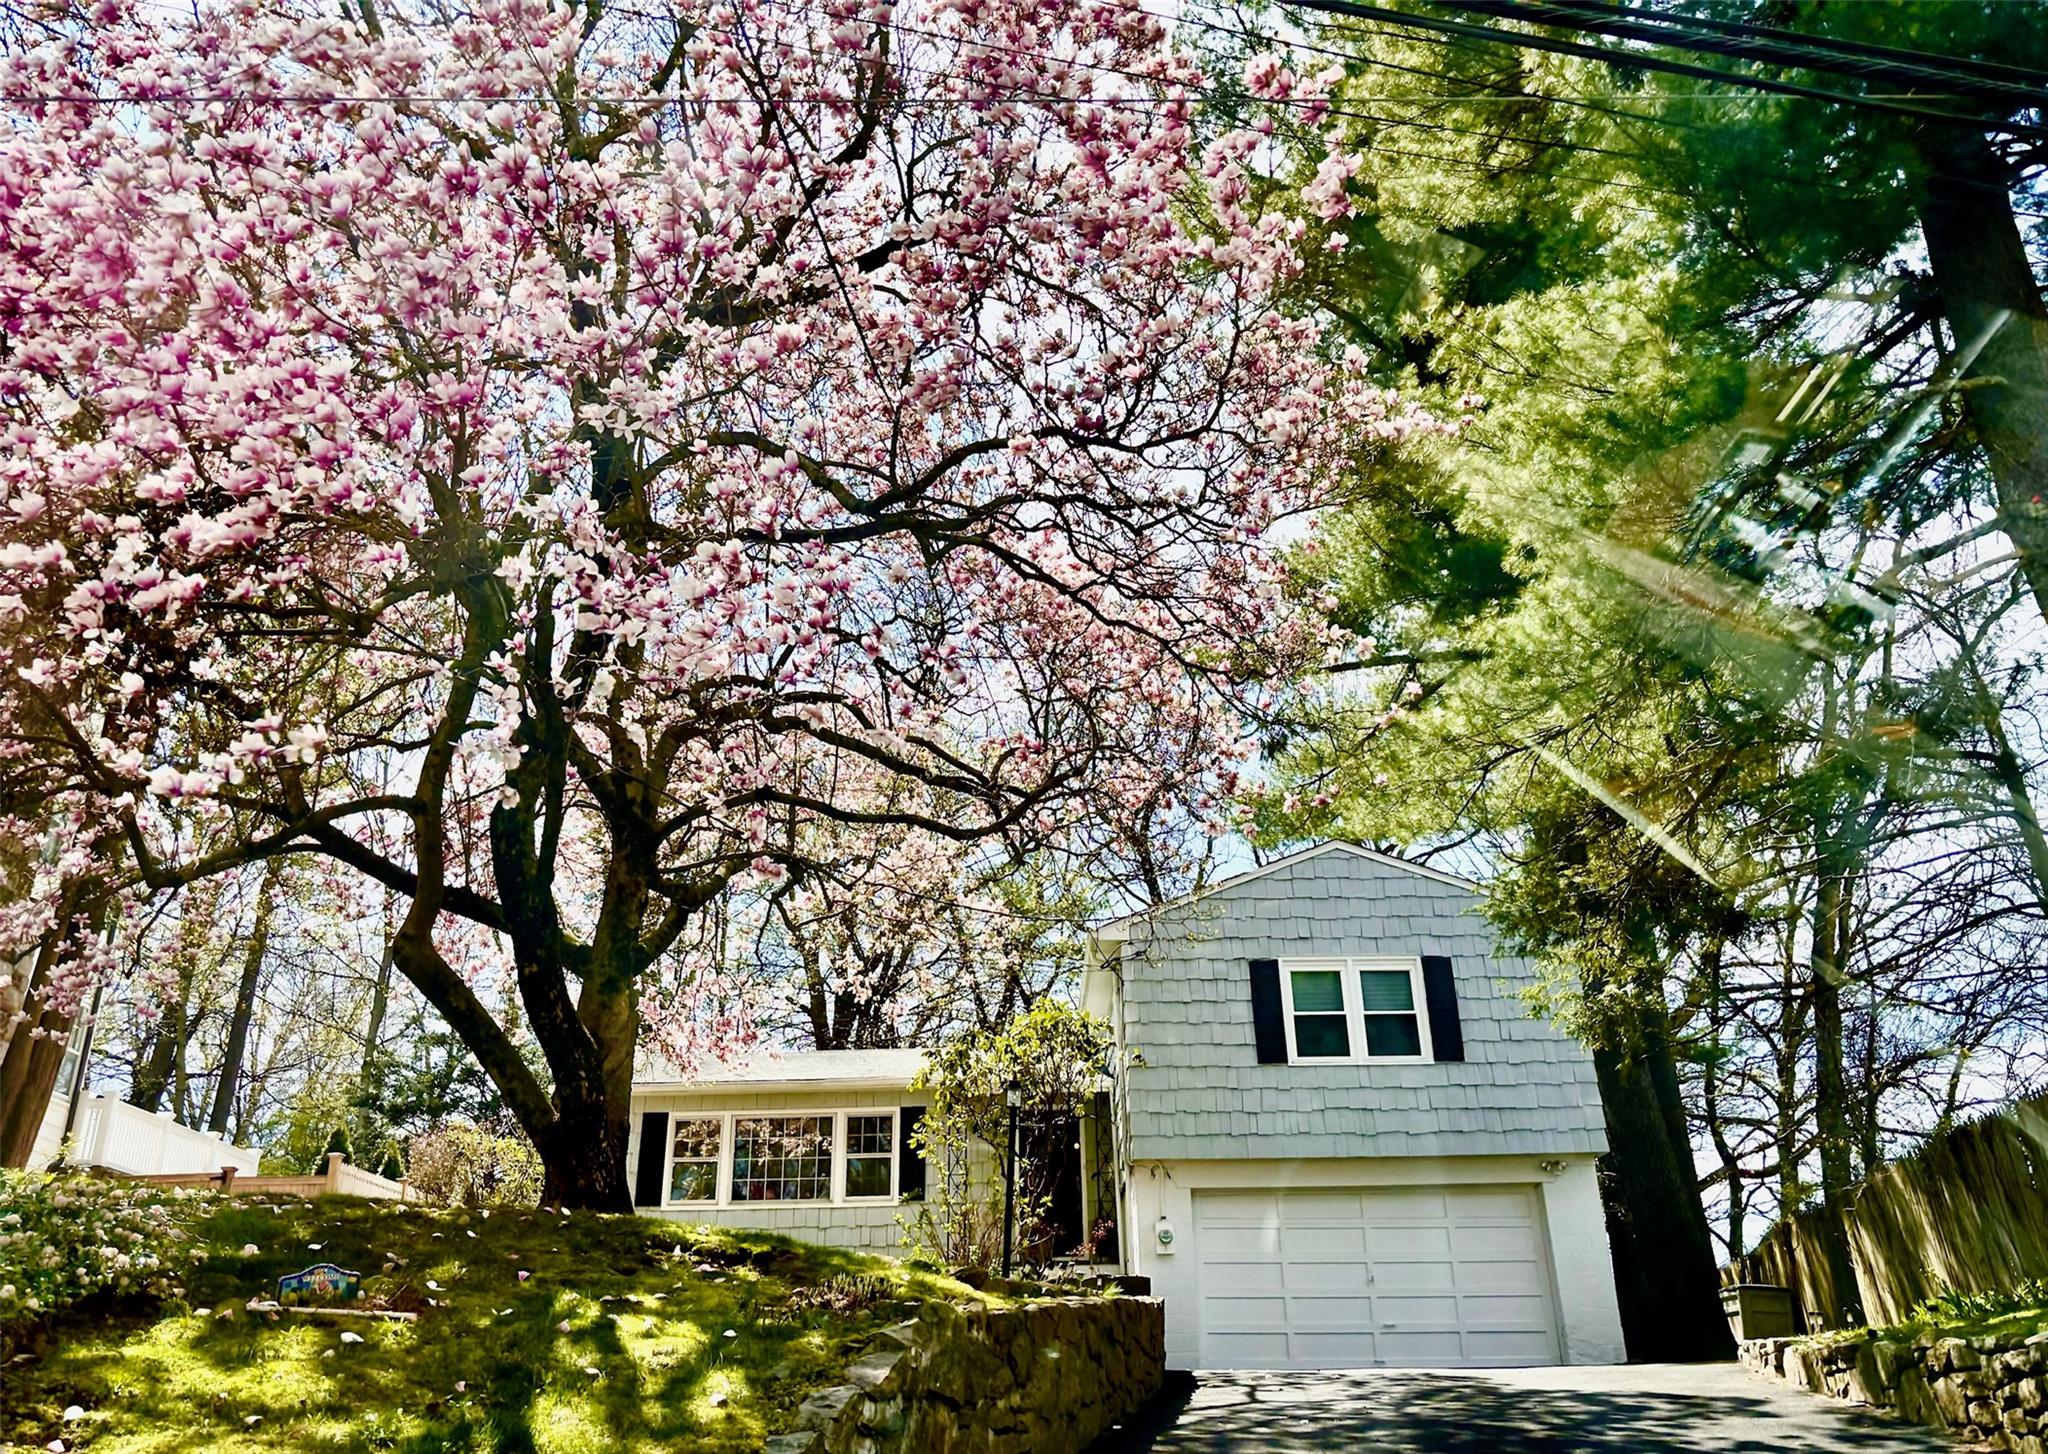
[(1757, 1310)]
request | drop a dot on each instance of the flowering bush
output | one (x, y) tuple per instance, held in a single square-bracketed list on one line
[(468, 1166), (63, 1238)]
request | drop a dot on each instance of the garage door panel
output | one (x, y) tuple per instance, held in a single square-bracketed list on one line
[(1504, 1312), (1429, 1349), (1324, 1244), (1504, 1241), (1503, 1277), (1250, 1350), (1251, 1314), (1406, 1204), (1471, 1204), (1415, 1276), (1348, 1279), (1409, 1312), (1393, 1243), (1308, 1207), (1509, 1348), (1228, 1241), (1244, 1277), (1373, 1277), (1325, 1313)]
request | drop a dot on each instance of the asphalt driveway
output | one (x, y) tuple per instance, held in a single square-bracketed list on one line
[(1714, 1408)]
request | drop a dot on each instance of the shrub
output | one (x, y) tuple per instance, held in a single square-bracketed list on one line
[(1053, 1054), (63, 1238), (458, 1164)]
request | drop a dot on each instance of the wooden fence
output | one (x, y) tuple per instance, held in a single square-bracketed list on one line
[(1966, 1212), (339, 1179)]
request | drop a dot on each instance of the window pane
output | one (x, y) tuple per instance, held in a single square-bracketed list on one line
[(693, 1181), (697, 1137), (1317, 989), (870, 1135), (1321, 1035), (867, 1176), (782, 1159), (1392, 1035), (1386, 989)]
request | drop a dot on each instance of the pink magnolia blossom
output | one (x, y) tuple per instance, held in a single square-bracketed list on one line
[(552, 463)]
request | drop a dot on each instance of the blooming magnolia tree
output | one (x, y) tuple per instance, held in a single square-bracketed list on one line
[(547, 459)]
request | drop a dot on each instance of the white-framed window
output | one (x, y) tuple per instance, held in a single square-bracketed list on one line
[(74, 1046), (696, 1144), (870, 1156), (1353, 1011), (782, 1158), (736, 1158)]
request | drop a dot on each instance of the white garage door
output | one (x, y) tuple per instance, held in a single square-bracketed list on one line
[(1370, 1277)]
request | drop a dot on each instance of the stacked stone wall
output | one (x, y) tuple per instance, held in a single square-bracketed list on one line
[(1990, 1390), (1034, 1378)]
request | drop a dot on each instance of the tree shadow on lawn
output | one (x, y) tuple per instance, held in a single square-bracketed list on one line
[(1452, 1413), (488, 1366)]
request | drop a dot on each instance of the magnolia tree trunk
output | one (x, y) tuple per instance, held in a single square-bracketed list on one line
[(28, 1080)]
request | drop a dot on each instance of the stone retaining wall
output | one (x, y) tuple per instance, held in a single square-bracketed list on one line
[(1990, 1390), (1036, 1378)]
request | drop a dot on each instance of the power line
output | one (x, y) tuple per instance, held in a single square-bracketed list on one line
[(2020, 77), (1639, 60), (1780, 47)]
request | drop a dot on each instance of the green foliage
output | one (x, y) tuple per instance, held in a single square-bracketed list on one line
[(1975, 1308), (472, 1166), (1052, 1055), (64, 1238), (337, 1140), (537, 1331)]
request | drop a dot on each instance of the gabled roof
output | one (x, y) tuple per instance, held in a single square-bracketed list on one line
[(872, 1068), (1117, 930)]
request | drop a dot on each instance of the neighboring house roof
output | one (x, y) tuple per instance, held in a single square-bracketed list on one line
[(1117, 930), (790, 1068)]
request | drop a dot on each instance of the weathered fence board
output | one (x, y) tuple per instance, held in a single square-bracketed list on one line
[(1966, 1212)]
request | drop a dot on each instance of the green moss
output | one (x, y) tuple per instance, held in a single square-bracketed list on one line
[(2012, 1315), (625, 1334)]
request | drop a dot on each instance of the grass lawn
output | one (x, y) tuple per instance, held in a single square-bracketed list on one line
[(536, 1332)]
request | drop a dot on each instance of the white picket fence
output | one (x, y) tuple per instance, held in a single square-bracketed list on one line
[(111, 1133)]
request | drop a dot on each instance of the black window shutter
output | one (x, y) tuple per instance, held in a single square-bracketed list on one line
[(653, 1157), (1269, 1032), (910, 1160), (1440, 989)]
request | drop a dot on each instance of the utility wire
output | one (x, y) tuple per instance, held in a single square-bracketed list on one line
[(1987, 70), (1644, 61), (1802, 53)]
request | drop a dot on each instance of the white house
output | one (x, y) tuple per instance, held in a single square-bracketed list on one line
[(817, 1145), (810, 1144), (1331, 1133)]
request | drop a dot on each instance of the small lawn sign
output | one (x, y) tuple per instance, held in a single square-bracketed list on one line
[(323, 1282)]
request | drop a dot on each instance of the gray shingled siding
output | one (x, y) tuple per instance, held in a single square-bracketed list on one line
[(1201, 1093)]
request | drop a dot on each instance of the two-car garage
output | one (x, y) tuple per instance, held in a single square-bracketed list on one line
[(1366, 1277)]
